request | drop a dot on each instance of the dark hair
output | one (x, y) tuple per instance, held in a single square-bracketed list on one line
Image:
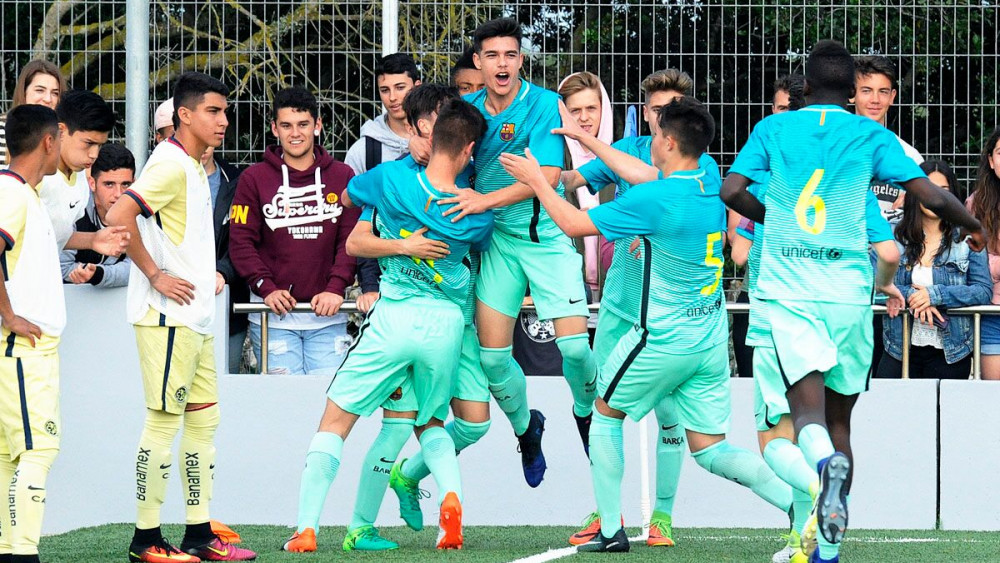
[(872, 64), (501, 27), (830, 69), (83, 110), (986, 198), (113, 156), (296, 98), (910, 230), (458, 124), (426, 99), (687, 120), (463, 62), (795, 85), (190, 90), (28, 73), (27, 125), (398, 63)]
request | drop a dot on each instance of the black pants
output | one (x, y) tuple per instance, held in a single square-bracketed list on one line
[(744, 353), (926, 362)]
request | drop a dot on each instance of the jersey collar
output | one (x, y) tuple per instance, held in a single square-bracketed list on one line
[(173, 141), (15, 175), (825, 107)]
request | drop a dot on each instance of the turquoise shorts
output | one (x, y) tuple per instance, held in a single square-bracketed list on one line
[(636, 378), (830, 338), (610, 329), (411, 344), (470, 381), (552, 268), (770, 402)]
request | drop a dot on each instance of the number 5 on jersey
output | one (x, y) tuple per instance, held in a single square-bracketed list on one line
[(713, 261), (809, 200)]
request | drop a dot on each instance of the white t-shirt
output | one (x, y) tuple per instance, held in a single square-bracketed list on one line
[(66, 200), (887, 194), (925, 334)]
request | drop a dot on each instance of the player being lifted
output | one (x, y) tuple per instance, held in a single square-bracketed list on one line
[(32, 317), (171, 304), (680, 344), (821, 160), (623, 287), (527, 248), (412, 338)]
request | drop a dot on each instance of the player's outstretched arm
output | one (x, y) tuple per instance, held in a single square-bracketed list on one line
[(572, 179), (470, 202), (574, 222), (736, 196), (363, 243), (885, 275), (123, 214), (629, 168), (948, 208), (109, 241)]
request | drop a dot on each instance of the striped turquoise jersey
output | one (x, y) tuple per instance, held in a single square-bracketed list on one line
[(681, 297), (526, 123), (623, 286), (821, 160), (408, 202)]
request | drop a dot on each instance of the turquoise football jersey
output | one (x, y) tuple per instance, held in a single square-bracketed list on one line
[(408, 202), (368, 186), (623, 285), (682, 304), (758, 332), (527, 123), (822, 160)]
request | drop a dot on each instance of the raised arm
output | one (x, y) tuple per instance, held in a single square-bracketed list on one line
[(736, 196), (574, 222)]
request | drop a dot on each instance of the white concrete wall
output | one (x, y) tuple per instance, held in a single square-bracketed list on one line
[(267, 422)]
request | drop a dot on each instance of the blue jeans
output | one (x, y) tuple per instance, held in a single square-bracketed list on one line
[(303, 352)]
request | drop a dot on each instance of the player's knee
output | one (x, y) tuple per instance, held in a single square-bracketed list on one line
[(575, 348), (496, 363), (41, 459), (470, 432), (202, 420), (163, 425)]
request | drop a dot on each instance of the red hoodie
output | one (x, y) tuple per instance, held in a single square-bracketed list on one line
[(287, 231)]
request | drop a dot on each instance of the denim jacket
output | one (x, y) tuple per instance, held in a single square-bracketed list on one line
[(961, 278)]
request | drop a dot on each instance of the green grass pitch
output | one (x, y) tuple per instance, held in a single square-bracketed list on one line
[(502, 544)]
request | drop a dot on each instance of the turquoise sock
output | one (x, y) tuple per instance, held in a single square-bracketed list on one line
[(607, 466), (814, 440), (827, 550), (375, 470), (463, 433), (439, 455), (802, 504), (788, 463), (580, 371), (507, 385), (741, 466), (670, 448), (322, 463)]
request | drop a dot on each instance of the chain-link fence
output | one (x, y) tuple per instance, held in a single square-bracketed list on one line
[(946, 53)]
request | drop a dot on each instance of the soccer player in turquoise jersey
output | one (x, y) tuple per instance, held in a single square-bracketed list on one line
[(680, 344), (775, 430), (821, 160), (620, 299), (527, 248), (412, 338), (471, 395)]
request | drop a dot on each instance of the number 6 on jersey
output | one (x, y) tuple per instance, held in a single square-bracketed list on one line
[(808, 199)]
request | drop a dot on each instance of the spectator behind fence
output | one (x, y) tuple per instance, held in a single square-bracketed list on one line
[(588, 102), (384, 139), (40, 82), (288, 239), (465, 76), (985, 205), (163, 121), (937, 271), (110, 175)]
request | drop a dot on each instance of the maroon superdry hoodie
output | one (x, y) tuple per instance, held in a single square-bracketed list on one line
[(288, 227)]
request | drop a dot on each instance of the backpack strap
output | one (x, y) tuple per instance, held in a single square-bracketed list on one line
[(373, 153)]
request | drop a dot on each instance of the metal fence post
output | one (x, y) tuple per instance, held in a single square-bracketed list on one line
[(390, 27), (906, 345), (977, 358), (137, 86), (263, 342)]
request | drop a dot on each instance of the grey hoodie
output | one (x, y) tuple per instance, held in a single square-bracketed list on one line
[(393, 146)]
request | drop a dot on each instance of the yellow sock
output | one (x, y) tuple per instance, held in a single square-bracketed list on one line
[(29, 500), (7, 469), (197, 461), (152, 466)]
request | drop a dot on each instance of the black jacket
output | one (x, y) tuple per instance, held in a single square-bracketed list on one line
[(238, 290)]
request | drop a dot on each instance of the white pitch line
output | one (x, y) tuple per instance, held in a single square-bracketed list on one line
[(553, 554)]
